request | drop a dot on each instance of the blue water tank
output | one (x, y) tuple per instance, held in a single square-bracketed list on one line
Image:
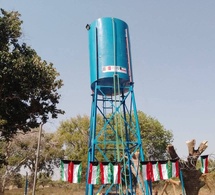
[(110, 61)]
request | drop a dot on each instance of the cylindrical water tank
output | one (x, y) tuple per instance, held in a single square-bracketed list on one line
[(110, 61)]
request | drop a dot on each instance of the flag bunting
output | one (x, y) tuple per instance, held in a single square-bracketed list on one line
[(104, 173), (110, 172), (159, 170), (71, 171)]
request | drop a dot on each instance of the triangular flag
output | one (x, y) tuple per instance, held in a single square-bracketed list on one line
[(146, 170), (155, 176), (106, 172), (204, 162), (163, 169), (174, 168), (94, 173), (64, 168), (116, 173)]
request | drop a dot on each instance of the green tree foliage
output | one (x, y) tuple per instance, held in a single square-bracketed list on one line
[(43, 179), (155, 137), (2, 158), (20, 152), (73, 134), (28, 84), (17, 180)]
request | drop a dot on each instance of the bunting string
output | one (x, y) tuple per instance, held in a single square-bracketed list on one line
[(110, 172)]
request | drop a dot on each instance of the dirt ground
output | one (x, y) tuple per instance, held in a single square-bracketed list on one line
[(74, 189), (60, 191)]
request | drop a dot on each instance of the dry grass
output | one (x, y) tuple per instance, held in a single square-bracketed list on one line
[(75, 189), (49, 191), (69, 189)]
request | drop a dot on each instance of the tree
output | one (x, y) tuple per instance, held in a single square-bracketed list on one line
[(73, 134), (20, 152), (191, 176), (155, 137), (28, 84)]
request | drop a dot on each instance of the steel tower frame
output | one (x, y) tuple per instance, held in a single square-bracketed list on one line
[(118, 139)]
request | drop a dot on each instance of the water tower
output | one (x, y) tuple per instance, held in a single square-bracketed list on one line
[(114, 134)]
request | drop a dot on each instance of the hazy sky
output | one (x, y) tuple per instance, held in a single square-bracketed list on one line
[(173, 59)]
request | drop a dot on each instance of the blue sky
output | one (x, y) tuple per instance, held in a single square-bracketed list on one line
[(172, 47)]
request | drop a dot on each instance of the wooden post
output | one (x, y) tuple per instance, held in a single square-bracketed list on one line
[(37, 159)]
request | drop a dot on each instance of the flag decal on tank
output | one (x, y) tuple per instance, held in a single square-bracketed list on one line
[(114, 69)]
